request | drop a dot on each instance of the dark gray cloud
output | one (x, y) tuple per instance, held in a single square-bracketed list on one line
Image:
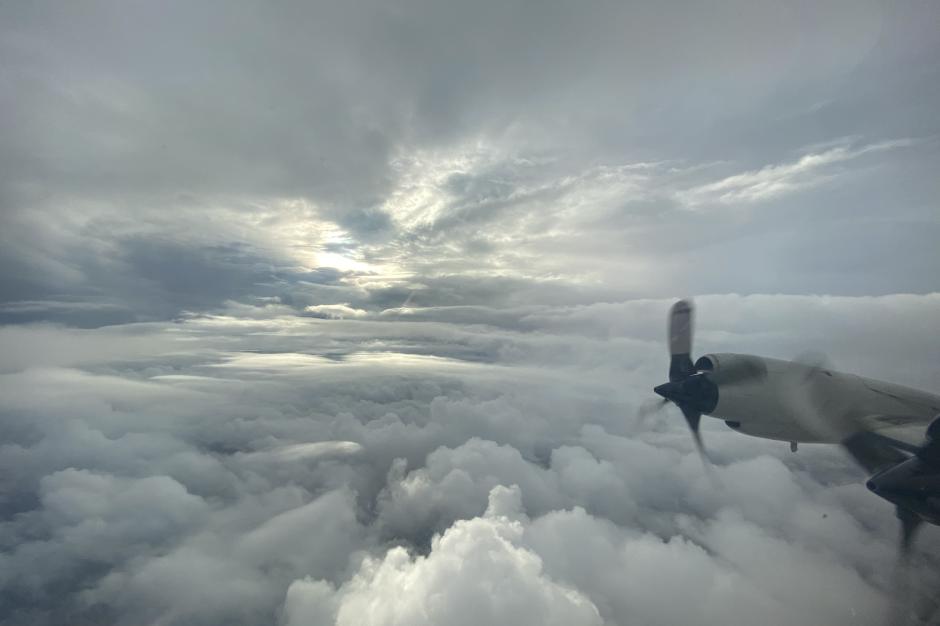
[(785, 149)]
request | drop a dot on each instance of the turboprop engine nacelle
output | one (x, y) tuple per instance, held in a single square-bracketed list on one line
[(755, 394)]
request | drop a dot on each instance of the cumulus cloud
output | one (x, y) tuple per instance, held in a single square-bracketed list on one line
[(475, 571), (267, 468)]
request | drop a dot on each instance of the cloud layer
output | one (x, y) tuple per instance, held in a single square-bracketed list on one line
[(347, 314), (302, 470), (167, 159)]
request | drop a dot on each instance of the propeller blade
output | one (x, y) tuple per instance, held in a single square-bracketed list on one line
[(910, 522), (901, 605), (693, 419), (680, 340), (681, 370)]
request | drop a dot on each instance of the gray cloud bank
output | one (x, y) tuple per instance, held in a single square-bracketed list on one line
[(273, 468), (167, 158)]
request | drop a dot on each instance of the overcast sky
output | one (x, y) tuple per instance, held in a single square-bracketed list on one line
[(316, 313)]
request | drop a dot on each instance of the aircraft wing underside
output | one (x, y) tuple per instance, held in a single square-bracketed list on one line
[(904, 431)]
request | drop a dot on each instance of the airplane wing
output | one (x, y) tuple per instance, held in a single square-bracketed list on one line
[(907, 429), (873, 452), (885, 440)]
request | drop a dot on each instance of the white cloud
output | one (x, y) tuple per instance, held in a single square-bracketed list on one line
[(307, 451), (140, 464), (772, 181), (476, 572), (335, 311)]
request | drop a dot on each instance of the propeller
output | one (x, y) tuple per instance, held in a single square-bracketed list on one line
[(876, 453), (906, 475), (913, 486), (687, 388)]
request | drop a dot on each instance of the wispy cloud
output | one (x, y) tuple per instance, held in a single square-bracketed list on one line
[(772, 181)]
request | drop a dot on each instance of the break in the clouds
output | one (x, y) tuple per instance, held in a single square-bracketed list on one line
[(344, 314)]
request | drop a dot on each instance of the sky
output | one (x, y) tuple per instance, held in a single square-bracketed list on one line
[(348, 313)]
